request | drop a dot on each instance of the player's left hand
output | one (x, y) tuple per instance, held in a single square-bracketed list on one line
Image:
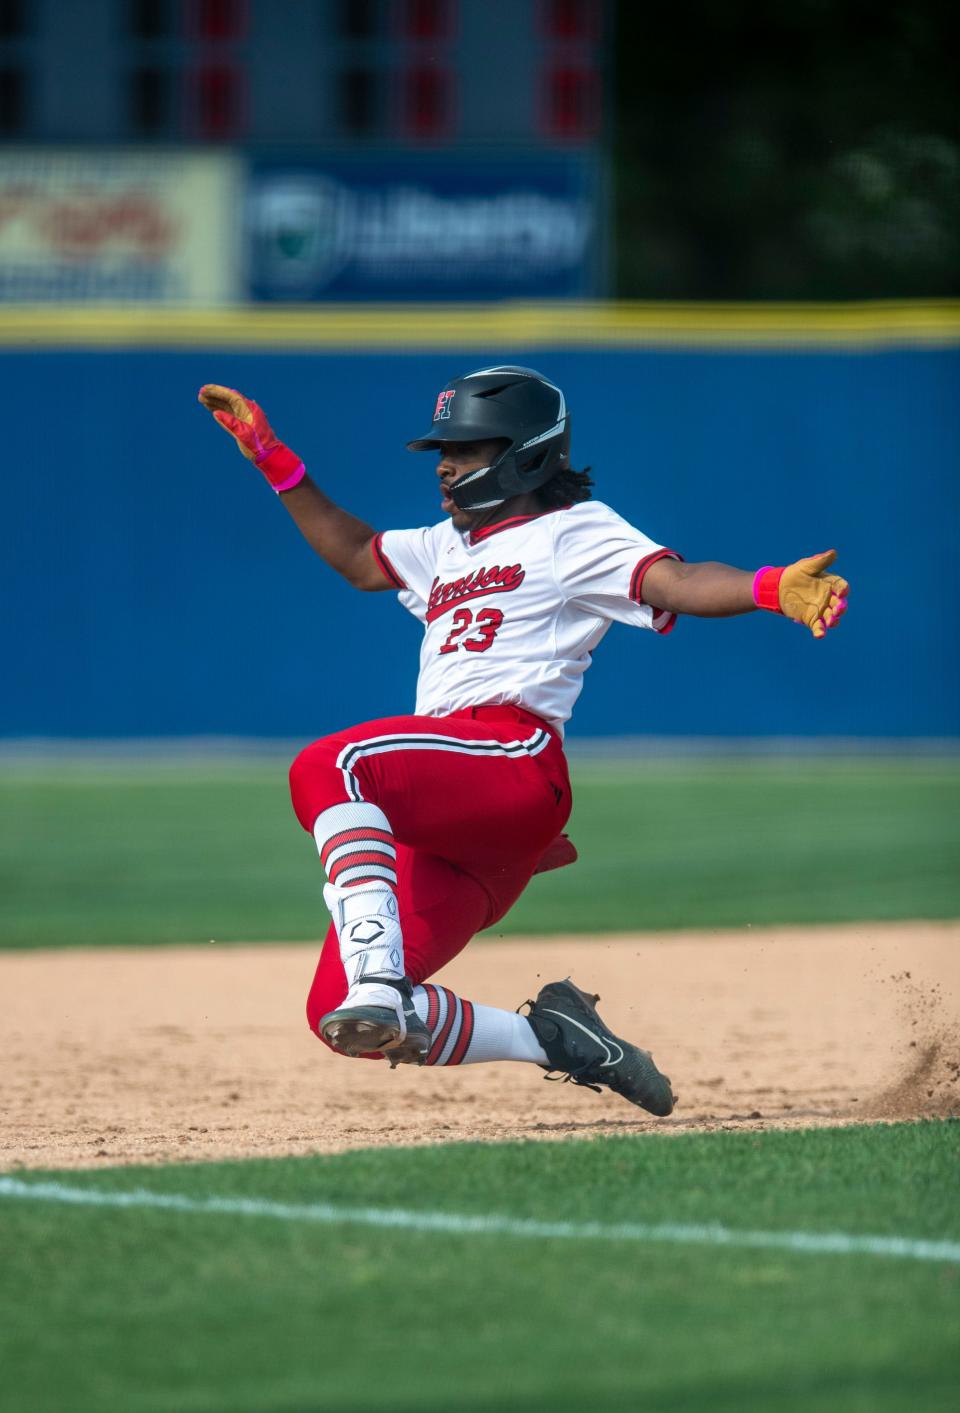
[(811, 596)]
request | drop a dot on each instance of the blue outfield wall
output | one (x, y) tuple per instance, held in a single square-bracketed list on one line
[(152, 585)]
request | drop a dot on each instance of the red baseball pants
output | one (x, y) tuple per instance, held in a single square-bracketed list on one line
[(474, 799)]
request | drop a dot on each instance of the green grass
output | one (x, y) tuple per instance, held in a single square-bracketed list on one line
[(147, 1311), (153, 852), (704, 843)]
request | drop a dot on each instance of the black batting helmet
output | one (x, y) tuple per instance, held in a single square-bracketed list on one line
[(518, 404)]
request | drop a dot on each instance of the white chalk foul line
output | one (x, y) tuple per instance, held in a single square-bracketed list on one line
[(807, 1243)]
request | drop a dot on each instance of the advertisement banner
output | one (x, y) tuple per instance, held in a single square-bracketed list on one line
[(119, 225), (427, 228)]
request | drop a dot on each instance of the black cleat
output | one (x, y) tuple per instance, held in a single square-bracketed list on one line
[(579, 1045)]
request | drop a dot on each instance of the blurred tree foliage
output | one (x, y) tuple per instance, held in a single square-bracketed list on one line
[(786, 149)]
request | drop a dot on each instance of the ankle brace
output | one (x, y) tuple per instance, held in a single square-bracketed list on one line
[(368, 927)]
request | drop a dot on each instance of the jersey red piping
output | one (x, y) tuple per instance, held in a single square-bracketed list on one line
[(636, 584), (486, 531), (386, 568), (668, 626)]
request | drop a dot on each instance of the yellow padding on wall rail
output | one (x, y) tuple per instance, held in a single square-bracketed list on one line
[(873, 324)]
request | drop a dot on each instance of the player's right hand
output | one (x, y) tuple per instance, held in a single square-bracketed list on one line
[(247, 424), (241, 417)]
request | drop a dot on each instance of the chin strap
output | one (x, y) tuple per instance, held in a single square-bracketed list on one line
[(476, 479)]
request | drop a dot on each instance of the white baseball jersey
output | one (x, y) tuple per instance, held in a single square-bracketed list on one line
[(512, 612)]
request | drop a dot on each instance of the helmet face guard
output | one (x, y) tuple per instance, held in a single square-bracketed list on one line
[(517, 405)]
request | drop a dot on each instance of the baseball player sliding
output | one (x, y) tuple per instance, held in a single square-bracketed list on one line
[(430, 826)]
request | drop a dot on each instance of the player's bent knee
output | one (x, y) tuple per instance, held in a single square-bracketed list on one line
[(316, 781)]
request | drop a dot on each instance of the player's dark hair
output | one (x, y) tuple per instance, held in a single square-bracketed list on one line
[(565, 488)]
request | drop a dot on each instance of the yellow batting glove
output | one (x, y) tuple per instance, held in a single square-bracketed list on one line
[(804, 592)]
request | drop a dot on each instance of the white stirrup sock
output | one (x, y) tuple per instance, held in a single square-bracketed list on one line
[(358, 851), (356, 845), (465, 1033)]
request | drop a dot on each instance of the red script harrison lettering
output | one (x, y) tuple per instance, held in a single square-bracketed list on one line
[(495, 580)]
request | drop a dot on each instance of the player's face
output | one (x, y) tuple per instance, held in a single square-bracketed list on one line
[(456, 460)]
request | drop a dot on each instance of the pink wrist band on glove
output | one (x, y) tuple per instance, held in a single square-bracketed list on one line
[(766, 588), (282, 467)]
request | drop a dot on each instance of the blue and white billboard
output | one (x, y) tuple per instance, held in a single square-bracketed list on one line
[(425, 228)]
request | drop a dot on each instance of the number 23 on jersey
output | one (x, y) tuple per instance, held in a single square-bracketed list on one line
[(481, 626)]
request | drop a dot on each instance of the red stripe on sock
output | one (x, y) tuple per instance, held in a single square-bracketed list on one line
[(355, 836), (433, 1007), (466, 1034), (353, 860), (439, 1045)]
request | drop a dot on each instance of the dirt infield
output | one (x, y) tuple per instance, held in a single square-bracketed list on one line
[(202, 1052)]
